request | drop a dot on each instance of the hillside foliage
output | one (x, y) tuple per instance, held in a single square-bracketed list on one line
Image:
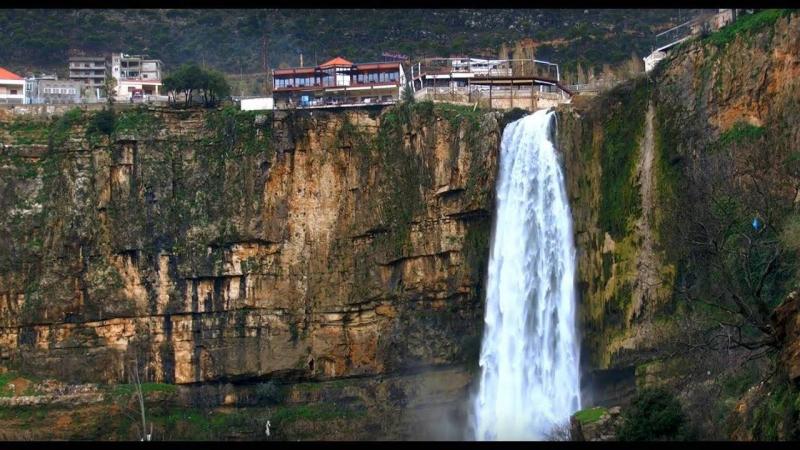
[(232, 40)]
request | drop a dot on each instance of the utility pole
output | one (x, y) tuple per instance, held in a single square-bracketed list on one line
[(301, 59)]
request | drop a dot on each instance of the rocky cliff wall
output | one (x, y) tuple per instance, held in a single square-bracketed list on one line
[(716, 120), (222, 246)]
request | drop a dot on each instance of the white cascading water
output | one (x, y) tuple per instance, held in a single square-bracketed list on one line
[(529, 356)]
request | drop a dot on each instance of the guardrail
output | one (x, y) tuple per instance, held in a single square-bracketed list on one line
[(584, 87)]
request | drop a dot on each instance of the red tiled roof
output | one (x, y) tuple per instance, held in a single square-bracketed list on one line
[(338, 61), (6, 75)]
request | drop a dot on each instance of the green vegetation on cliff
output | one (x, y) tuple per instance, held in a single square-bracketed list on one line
[(747, 25), (654, 414), (622, 133), (740, 133), (777, 417), (590, 415)]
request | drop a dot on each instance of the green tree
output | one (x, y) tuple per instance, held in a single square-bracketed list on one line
[(191, 78), (103, 122), (408, 94), (215, 87), (654, 414)]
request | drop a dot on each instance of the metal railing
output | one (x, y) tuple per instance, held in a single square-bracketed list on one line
[(586, 87), (484, 67)]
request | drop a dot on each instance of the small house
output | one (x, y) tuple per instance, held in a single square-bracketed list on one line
[(12, 88)]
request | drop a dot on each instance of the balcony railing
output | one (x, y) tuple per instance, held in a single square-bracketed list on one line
[(321, 86)]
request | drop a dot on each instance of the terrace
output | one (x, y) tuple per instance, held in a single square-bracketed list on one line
[(337, 83)]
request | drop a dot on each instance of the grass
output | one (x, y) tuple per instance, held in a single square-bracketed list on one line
[(746, 25), (6, 378), (739, 133), (25, 131), (136, 121), (590, 415), (26, 414)]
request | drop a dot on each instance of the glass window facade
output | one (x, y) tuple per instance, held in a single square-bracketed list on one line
[(329, 77)]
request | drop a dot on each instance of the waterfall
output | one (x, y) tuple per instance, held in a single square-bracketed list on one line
[(529, 357)]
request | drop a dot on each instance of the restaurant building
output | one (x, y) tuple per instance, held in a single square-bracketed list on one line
[(338, 83)]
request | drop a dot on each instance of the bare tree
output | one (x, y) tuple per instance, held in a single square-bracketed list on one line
[(561, 432), (731, 220)]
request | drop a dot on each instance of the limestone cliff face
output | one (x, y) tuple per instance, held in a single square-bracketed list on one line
[(633, 153), (222, 246)]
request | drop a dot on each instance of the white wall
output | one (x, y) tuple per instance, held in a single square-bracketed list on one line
[(5, 91), (255, 104)]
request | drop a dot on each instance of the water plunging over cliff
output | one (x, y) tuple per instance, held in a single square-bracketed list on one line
[(529, 357)]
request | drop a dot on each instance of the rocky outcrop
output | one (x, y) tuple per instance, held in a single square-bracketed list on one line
[(631, 157), (605, 428), (224, 246), (621, 150), (786, 319), (770, 409)]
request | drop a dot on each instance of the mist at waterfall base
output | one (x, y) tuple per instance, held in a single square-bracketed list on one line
[(529, 380)]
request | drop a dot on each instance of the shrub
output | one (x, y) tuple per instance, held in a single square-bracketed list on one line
[(654, 414), (103, 122), (740, 132), (747, 24), (408, 94), (269, 393)]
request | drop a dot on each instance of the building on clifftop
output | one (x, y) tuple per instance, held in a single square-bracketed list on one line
[(12, 88), (136, 76), (338, 83)]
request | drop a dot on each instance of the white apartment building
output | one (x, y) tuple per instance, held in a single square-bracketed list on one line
[(134, 74), (12, 87)]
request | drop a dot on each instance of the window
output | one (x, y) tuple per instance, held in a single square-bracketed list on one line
[(13, 92), (85, 64)]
